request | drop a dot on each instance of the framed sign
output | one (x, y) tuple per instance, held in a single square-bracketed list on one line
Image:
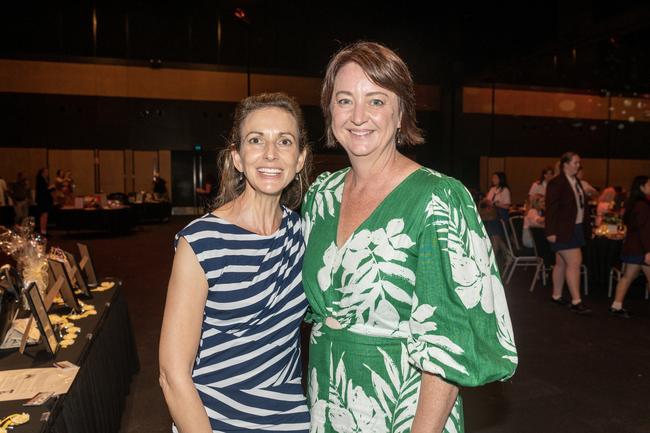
[(73, 268), (86, 265), (39, 314), (61, 278)]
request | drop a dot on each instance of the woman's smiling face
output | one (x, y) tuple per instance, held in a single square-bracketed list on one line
[(365, 117), (269, 154)]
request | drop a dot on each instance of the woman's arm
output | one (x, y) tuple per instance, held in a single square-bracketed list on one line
[(179, 341), (437, 397)]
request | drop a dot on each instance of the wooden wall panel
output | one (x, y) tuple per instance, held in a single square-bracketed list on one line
[(111, 171), (26, 76), (595, 172), (521, 172), (143, 167), (15, 159), (623, 171)]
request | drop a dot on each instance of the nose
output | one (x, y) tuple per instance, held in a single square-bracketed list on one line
[(359, 114), (270, 152)]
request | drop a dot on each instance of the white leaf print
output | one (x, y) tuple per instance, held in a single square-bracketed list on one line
[(422, 312), (324, 275), (318, 200), (445, 359), (444, 342), (360, 241), (398, 271), (317, 406), (384, 316), (391, 369), (384, 391), (394, 227), (401, 241), (341, 378), (341, 419), (330, 202), (395, 292)]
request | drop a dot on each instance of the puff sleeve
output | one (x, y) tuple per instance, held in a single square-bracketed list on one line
[(460, 327)]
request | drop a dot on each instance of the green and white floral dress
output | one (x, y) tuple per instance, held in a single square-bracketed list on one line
[(415, 288)]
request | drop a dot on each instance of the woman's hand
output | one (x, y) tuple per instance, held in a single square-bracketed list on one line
[(552, 239)]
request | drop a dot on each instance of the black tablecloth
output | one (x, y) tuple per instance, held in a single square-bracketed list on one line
[(7, 216), (146, 212), (600, 254), (106, 353), (117, 220)]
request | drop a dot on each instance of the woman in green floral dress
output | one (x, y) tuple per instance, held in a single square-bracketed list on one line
[(406, 300)]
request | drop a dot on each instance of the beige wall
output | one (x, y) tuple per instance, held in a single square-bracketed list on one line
[(523, 171), (111, 171), (15, 159), (26, 76)]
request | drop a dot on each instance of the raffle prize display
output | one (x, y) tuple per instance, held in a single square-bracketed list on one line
[(40, 301)]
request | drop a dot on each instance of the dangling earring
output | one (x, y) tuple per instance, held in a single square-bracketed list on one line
[(241, 176), (397, 137)]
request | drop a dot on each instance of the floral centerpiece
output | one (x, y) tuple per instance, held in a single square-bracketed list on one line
[(28, 250)]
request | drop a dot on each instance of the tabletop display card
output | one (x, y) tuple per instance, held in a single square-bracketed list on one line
[(74, 270), (61, 275), (39, 313), (86, 265)]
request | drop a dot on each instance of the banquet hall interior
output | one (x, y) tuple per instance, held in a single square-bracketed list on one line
[(120, 108)]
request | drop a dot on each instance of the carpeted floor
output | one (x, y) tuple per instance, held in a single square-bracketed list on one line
[(576, 374)]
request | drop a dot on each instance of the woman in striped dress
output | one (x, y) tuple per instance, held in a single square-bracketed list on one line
[(230, 341)]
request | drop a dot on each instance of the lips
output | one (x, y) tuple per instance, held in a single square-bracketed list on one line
[(360, 132), (269, 171)]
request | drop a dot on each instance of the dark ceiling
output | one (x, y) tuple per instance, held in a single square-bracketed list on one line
[(581, 44)]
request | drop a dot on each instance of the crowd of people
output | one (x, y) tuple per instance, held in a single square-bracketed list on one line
[(45, 195), (568, 208)]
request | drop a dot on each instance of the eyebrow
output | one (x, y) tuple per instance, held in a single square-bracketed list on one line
[(345, 92), (281, 133)]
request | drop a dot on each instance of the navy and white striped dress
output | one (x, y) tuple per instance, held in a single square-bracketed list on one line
[(248, 368)]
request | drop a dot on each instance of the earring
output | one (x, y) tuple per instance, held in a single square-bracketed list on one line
[(241, 176), (397, 137)]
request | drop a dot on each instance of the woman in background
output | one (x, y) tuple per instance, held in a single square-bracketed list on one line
[(498, 197), (636, 247), (44, 199), (565, 214)]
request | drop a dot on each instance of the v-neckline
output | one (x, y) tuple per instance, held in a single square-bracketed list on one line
[(370, 215)]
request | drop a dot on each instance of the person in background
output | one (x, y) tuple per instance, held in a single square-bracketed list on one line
[(636, 247), (59, 188), (406, 300), (533, 218), (565, 214), (538, 188), (230, 341), (20, 194), (3, 192), (498, 197), (605, 204), (68, 189), (589, 190), (44, 199), (159, 188)]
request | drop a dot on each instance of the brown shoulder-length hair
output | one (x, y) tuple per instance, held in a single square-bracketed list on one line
[(232, 184), (384, 68)]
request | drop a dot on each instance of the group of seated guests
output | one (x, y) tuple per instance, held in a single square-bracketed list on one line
[(559, 202)]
